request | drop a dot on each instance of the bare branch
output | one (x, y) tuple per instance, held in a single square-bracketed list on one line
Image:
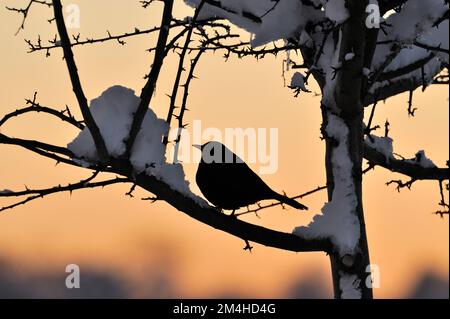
[(26, 10), (147, 90), (180, 69), (261, 207), (400, 184), (443, 203), (76, 84), (64, 115), (54, 44), (41, 193), (183, 108)]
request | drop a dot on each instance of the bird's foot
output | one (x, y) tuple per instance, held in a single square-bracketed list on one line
[(233, 214)]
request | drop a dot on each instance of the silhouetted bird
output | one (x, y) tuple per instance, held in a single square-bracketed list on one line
[(228, 183)]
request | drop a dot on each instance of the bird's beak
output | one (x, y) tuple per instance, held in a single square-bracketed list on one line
[(197, 146)]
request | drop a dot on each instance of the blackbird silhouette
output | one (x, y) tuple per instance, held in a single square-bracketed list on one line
[(228, 183)]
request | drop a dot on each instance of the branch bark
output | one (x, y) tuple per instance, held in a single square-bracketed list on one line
[(148, 89), (76, 84), (348, 99), (415, 171)]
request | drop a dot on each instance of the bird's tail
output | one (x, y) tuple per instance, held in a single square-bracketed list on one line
[(289, 201)]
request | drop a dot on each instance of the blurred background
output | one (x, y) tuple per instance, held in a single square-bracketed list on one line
[(126, 247)]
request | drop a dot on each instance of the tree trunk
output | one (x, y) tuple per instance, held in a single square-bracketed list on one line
[(349, 109)]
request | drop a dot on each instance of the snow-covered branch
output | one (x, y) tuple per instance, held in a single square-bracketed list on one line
[(215, 218), (418, 168)]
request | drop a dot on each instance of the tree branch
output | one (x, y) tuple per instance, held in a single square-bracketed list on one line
[(36, 107), (35, 144), (409, 168), (176, 82), (76, 84), (389, 75), (26, 10), (214, 218), (41, 193), (147, 90)]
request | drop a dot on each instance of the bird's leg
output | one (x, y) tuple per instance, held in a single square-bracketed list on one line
[(232, 213)]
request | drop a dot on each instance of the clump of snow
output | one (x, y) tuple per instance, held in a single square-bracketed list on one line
[(415, 18), (113, 112), (422, 160), (173, 175), (338, 220), (349, 285), (298, 81), (438, 37), (384, 145), (267, 20), (280, 23), (335, 10), (328, 62), (415, 22), (366, 72), (349, 56)]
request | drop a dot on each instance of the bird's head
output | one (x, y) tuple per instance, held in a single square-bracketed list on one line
[(216, 152)]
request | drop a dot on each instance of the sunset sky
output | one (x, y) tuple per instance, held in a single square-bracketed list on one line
[(110, 232)]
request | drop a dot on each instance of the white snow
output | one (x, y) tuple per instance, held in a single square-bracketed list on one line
[(349, 56), (279, 20), (438, 37), (336, 11), (281, 23), (366, 72), (384, 145), (349, 285), (422, 160), (298, 81), (413, 23), (338, 220), (113, 112), (416, 17)]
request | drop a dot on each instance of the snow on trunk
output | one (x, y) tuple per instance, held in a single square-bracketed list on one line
[(349, 285), (338, 220)]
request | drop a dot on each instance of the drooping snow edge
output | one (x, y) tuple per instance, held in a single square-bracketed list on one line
[(338, 220), (113, 112)]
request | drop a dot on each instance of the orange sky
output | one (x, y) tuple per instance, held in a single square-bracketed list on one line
[(110, 231)]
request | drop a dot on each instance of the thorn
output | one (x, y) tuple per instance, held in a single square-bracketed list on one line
[(248, 246)]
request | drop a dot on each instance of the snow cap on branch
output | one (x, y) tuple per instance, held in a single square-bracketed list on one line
[(113, 112), (382, 144), (298, 81), (267, 20)]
